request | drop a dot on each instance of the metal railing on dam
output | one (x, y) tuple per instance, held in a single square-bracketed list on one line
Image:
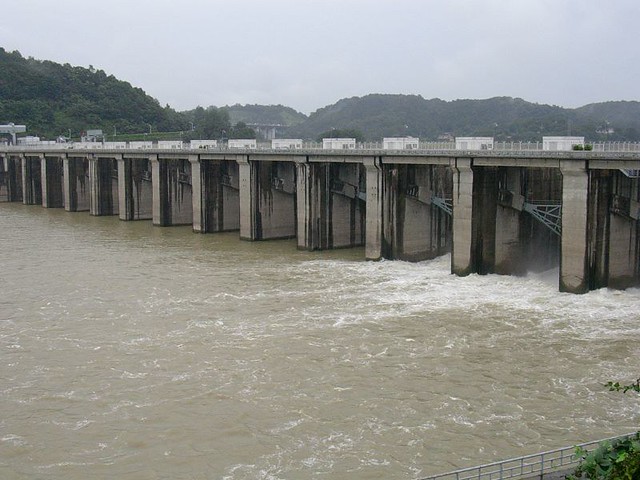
[(423, 147), (422, 155), (529, 466)]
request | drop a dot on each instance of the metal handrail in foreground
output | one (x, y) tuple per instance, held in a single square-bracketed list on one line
[(536, 464)]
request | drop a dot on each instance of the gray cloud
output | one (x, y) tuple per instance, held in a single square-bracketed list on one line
[(310, 53)]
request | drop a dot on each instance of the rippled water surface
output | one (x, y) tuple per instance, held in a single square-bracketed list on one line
[(137, 352)]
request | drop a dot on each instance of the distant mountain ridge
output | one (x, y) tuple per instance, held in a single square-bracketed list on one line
[(379, 115), (53, 99)]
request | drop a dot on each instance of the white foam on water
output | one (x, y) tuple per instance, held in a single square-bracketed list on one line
[(15, 440)]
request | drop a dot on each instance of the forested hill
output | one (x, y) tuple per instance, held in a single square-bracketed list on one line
[(52, 99), (505, 118)]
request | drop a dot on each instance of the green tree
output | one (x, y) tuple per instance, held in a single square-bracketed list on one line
[(208, 124), (241, 130)]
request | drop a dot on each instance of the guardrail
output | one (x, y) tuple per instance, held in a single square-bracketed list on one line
[(506, 147), (528, 466), (81, 149)]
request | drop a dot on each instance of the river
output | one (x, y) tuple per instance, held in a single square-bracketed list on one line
[(138, 352)]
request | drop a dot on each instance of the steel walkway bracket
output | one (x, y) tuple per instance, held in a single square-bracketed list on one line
[(549, 214)]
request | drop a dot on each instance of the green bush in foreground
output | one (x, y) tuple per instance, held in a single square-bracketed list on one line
[(615, 460), (612, 460)]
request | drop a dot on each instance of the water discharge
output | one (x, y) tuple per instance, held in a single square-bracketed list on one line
[(137, 352)]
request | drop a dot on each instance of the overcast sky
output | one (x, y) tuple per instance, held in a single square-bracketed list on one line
[(307, 54)]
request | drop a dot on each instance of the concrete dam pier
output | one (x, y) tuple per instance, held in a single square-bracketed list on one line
[(496, 212)]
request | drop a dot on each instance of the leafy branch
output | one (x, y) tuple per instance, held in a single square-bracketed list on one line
[(618, 459), (616, 387)]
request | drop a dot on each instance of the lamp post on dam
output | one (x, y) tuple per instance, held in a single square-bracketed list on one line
[(496, 211)]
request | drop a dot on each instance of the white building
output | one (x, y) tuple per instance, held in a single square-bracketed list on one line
[(115, 145), (42, 143), (561, 143), (338, 143), (12, 129), (140, 145), (474, 143), (169, 144), (92, 136), (286, 143), (242, 143), (400, 143), (203, 144), (28, 140)]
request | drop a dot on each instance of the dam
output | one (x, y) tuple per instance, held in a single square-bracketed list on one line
[(503, 212)]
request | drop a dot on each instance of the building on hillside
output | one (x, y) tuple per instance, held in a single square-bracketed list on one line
[(92, 136), (605, 130), (561, 143), (474, 143), (338, 143), (400, 143)]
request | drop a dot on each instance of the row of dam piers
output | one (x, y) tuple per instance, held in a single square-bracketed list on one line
[(494, 215)]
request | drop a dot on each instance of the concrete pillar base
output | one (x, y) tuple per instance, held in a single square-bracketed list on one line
[(573, 249), (103, 187), (172, 192), (76, 184), (52, 182), (135, 195), (374, 220), (267, 200), (32, 180), (461, 258)]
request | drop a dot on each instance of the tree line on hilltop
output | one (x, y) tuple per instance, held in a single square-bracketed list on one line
[(63, 100), (55, 100)]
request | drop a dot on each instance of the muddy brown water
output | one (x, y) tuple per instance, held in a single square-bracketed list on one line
[(137, 352)]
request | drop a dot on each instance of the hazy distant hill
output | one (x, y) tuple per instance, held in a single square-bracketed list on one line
[(623, 117), (265, 114), (52, 99), (380, 115)]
